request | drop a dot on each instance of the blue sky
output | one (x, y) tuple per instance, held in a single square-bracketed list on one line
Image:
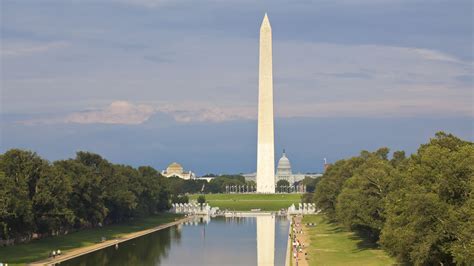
[(151, 82)]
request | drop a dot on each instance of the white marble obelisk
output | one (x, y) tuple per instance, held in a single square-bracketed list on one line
[(265, 149)]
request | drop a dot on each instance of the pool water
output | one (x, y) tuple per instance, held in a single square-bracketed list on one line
[(258, 240)]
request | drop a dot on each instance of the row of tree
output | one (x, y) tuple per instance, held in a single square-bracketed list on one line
[(218, 184), (419, 209), (39, 198)]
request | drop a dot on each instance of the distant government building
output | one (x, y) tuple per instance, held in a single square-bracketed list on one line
[(175, 169), (284, 172)]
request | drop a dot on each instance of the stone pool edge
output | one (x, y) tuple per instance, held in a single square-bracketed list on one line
[(73, 253), (288, 245)]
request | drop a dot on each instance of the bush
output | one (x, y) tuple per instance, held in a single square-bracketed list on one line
[(201, 199), (180, 199)]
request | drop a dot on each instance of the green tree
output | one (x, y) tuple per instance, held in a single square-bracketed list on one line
[(310, 183), (251, 183), (382, 153), (307, 198), (180, 199), (175, 185), (281, 184), (201, 200), (332, 181), (361, 203), (218, 184), (23, 165), (119, 194), (50, 203), (398, 158), (462, 225), (21, 171), (213, 187), (154, 197), (429, 219), (44, 198), (87, 196), (120, 197), (16, 210)]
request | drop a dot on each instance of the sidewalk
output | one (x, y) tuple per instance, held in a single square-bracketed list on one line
[(84, 250), (300, 259)]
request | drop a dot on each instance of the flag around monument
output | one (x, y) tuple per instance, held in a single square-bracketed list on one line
[(265, 149)]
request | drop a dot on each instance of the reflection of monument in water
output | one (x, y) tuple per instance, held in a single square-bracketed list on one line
[(265, 144), (266, 240)]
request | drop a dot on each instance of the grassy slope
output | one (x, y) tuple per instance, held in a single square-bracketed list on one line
[(331, 245), (39, 249), (246, 202)]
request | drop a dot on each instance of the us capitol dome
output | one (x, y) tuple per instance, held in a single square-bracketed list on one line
[(284, 168), (284, 172)]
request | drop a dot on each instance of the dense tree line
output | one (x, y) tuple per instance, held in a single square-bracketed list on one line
[(310, 183), (218, 184), (42, 198), (419, 209), (39, 198)]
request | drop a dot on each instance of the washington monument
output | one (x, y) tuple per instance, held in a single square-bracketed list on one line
[(265, 149)]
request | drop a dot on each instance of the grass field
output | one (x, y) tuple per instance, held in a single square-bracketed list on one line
[(331, 245), (246, 202), (39, 249)]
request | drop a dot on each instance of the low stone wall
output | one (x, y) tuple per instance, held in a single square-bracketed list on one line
[(289, 247), (303, 208)]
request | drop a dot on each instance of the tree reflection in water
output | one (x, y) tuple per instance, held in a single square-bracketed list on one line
[(203, 241), (132, 252)]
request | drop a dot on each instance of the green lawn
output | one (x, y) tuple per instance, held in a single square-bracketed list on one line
[(332, 245), (246, 202), (39, 249)]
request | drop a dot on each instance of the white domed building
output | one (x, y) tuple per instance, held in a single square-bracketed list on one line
[(175, 169), (283, 171)]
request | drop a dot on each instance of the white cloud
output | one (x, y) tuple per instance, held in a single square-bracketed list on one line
[(436, 55), (118, 112), (207, 113), (206, 83), (126, 113), (375, 108), (21, 49)]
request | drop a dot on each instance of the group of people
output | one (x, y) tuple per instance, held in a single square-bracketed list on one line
[(296, 243), (55, 253)]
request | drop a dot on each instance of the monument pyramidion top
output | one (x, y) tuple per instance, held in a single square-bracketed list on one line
[(265, 22)]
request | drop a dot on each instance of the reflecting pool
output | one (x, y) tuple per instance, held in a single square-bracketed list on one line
[(259, 240)]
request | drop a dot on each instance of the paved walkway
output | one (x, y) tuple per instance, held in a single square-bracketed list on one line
[(300, 259), (84, 250)]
